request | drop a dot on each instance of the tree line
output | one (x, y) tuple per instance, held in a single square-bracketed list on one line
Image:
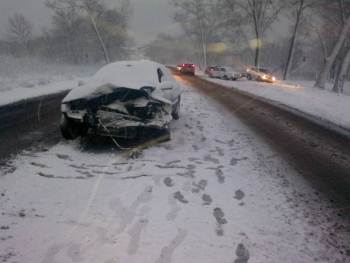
[(314, 41), (81, 31)]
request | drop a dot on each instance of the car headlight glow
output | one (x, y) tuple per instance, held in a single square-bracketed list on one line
[(273, 79), (264, 77)]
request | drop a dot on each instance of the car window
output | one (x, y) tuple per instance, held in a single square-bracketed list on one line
[(166, 75), (160, 75)]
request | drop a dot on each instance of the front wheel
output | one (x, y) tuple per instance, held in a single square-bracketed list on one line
[(69, 130)]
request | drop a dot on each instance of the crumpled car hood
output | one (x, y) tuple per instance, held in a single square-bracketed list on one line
[(96, 88)]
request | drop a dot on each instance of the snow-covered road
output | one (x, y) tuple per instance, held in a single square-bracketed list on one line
[(214, 193)]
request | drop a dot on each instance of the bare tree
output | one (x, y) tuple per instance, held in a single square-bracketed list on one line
[(201, 20), (300, 7), (261, 14), (20, 31), (92, 8), (338, 45), (344, 55), (343, 73)]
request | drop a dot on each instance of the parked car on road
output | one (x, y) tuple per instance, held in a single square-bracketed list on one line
[(186, 68), (121, 99), (260, 74), (227, 73), (209, 70)]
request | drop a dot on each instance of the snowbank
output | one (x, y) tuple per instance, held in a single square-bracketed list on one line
[(23, 78), (300, 95)]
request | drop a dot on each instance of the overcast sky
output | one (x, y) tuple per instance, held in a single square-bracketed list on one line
[(150, 17)]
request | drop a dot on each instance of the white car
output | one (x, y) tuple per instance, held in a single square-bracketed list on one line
[(122, 100), (226, 73)]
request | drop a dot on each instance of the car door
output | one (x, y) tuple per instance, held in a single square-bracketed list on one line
[(169, 87), (216, 72)]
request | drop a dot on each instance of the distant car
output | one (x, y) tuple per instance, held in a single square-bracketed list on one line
[(260, 74), (122, 100), (210, 70), (187, 68), (227, 73)]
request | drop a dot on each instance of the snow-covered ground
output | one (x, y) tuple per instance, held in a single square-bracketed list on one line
[(300, 95), (23, 78), (214, 193)]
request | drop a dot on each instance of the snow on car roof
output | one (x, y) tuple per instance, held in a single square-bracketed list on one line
[(129, 71), (127, 74)]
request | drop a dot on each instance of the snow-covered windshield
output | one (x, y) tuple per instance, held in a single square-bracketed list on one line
[(175, 131)]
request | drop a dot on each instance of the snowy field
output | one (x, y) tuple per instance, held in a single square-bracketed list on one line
[(299, 95), (22, 78), (214, 193)]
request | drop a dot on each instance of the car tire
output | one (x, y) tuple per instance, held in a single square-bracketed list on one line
[(176, 110), (69, 130)]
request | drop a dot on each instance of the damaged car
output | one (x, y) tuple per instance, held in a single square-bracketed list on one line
[(122, 100)]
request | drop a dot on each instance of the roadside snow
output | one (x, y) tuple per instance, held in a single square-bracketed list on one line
[(18, 94), (214, 193), (24, 78), (299, 95)]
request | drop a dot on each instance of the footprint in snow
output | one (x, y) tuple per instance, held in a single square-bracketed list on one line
[(220, 220), (239, 195), (242, 254), (178, 196), (168, 182), (197, 187), (207, 200)]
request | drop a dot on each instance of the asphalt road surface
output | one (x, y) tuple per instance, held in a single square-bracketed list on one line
[(321, 155)]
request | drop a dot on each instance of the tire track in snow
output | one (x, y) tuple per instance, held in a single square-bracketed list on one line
[(168, 251)]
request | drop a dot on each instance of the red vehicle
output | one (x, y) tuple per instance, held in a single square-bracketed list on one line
[(186, 68)]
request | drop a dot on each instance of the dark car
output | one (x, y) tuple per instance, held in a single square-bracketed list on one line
[(260, 74), (186, 68)]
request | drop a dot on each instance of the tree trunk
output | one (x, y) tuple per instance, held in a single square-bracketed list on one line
[(97, 32), (339, 84), (322, 77), (204, 43), (257, 48), (292, 42), (204, 47)]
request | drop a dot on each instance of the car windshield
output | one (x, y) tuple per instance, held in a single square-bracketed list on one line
[(174, 131)]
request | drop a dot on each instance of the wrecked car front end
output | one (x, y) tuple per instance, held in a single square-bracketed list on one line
[(118, 112)]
